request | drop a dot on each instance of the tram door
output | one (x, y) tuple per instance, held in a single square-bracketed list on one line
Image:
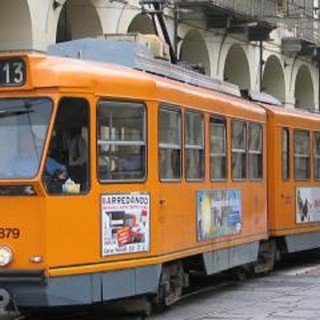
[(72, 216), (181, 173), (170, 176)]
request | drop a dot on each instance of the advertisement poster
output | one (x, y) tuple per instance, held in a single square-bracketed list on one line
[(218, 213), (307, 205), (125, 219)]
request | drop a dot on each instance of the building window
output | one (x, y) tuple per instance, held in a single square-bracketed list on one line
[(194, 145), (285, 154), (239, 147), (121, 141), (301, 155), (169, 143), (218, 148), (255, 168), (317, 155)]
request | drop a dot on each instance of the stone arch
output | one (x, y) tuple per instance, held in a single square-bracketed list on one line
[(141, 23), (304, 89), (236, 67), (78, 19), (273, 81), (15, 25), (126, 17), (193, 50)]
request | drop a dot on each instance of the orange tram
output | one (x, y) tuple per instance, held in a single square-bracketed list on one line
[(164, 172)]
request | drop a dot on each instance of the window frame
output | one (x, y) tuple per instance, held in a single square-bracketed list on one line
[(299, 155), (171, 146), (239, 151), (194, 147), (222, 155), (39, 153), (255, 152), (88, 162), (287, 151), (139, 143), (316, 156)]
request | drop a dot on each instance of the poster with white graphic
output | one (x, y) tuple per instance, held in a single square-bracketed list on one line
[(125, 219), (218, 213), (307, 205)]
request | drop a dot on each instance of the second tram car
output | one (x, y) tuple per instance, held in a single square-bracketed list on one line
[(117, 183), (293, 178)]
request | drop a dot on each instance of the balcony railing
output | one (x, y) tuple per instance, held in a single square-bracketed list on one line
[(256, 9), (253, 9), (299, 17)]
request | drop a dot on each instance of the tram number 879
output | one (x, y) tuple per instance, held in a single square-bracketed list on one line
[(7, 233)]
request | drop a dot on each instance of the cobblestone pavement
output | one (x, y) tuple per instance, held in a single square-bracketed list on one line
[(293, 294)]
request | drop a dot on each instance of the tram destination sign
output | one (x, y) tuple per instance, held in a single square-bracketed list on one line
[(12, 72)]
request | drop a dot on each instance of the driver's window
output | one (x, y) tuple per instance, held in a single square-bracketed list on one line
[(67, 164)]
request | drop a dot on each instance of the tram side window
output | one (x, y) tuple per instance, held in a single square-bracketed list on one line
[(194, 147), (67, 164), (285, 154), (121, 141), (169, 144), (255, 151), (218, 148), (239, 147), (301, 155), (317, 155)]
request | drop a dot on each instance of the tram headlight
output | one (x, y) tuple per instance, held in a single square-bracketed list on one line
[(6, 256)]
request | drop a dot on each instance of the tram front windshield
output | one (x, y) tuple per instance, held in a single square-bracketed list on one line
[(23, 128)]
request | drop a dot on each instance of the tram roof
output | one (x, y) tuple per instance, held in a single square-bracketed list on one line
[(170, 81), (65, 70), (294, 116), (138, 57)]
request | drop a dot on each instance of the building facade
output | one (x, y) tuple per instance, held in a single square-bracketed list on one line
[(263, 45)]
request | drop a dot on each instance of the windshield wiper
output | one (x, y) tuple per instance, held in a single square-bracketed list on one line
[(11, 113)]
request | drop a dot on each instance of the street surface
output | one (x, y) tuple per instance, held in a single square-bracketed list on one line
[(290, 292)]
